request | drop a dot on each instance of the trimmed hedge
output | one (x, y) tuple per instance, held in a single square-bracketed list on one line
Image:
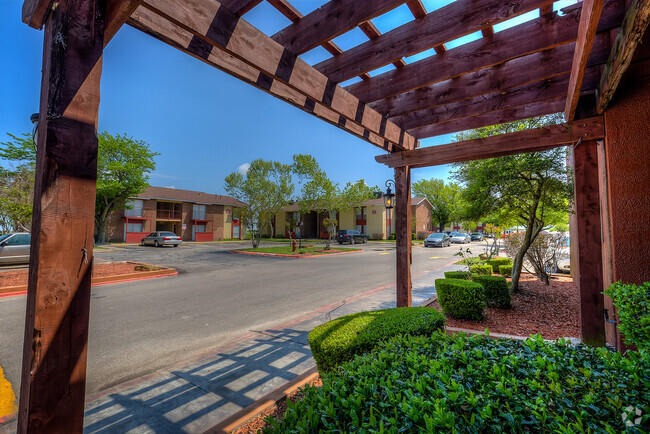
[(497, 262), (462, 299), (341, 339), (477, 385), (505, 270), (464, 275), (391, 237), (496, 290), (633, 304), (481, 269)]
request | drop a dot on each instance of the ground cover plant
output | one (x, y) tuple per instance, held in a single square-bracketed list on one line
[(341, 339), (475, 384), (633, 304), (462, 299)]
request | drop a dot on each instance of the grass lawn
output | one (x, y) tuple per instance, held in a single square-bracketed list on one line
[(287, 250)]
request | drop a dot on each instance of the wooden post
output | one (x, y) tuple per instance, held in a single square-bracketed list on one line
[(590, 263), (403, 234), (58, 300)]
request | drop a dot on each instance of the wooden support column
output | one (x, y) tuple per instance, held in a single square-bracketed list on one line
[(590, 273), (53, 384), (403, 234)]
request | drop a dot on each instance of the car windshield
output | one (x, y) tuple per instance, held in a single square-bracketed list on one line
[(343, 232), (435, 236), (460, 235), (4, 237)]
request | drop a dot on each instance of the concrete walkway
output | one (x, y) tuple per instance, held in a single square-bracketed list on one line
[(196, 395)]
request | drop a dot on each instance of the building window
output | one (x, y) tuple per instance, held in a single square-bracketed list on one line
[(198, 212), (135, 208), (134, 227), (200, 228)]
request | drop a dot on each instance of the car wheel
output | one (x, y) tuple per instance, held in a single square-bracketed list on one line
[(156, 243), (351, 241), (176, 245), (340, 242), (142, 243), (365, 240)]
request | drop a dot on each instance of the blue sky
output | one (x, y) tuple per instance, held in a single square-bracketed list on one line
[(203, 122)]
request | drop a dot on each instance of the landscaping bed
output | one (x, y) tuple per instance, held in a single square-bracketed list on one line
[(552, 311)]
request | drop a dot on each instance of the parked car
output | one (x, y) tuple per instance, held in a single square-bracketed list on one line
[(14, 248), (476, 236), (437, 239), (160, 239), (350, 236), (461, 238)]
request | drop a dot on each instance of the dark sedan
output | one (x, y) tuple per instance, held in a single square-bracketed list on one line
[(350, 236), (437, 240)]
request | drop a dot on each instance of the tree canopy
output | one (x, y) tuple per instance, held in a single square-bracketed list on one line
[(17, 183), (444, 198)]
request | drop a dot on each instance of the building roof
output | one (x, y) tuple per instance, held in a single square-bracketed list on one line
[(178, 195)]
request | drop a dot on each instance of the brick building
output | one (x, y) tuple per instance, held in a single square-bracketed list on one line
[(193, 215)]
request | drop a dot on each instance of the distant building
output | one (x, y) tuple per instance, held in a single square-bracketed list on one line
[(192, 215)]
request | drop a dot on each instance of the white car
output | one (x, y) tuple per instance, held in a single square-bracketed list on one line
[(461, 238)]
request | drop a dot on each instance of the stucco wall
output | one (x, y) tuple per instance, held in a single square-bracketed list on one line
[(376, 223), (347, 219), (227, 222)]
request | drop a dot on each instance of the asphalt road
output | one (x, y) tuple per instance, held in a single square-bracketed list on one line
[(139, 327)]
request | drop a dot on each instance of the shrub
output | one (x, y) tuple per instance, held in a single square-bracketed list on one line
[(377, 236), (391, 237), (633, 304), (412, 235), (341, 339), (495, 289), (465, 275), (462, 299), (422, 235), (484, 269), (505, 270), (497, 262), (474, 384)]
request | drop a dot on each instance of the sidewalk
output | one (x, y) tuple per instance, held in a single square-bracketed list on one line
[(196, 395)]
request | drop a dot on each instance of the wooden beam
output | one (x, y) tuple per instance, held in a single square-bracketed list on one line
[(240, 7), (117, 12), (532, 140), (457, 19), (286, 9), (329, 21), (216, 36), (632, 30), (590, 268), (34, 12), (516, 72), (589, 17), (417, 8), (533, 36), (546, 107), (53, 383), (372, 32), (403, 230)]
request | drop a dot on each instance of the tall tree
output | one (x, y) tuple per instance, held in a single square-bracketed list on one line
[(265, 188), (530, 188), (17, 183), (444, 198)]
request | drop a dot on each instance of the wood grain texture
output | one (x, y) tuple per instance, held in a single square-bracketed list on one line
[(240, 7), (589, 18), (532, 140), (117, 12), (403, 243), (34, 12), (457, 19), (58, 301)]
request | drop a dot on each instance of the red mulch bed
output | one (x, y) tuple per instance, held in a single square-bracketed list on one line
[(19, 277), (552, 311)]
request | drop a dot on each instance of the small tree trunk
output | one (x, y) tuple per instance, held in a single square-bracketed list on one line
[(101, 231), (533, 228)]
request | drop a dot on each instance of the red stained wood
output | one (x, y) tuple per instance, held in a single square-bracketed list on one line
[(532, 140), (329, 21), (117, 12), (590, 278), (34, 12), (417, 8), (457, 19), (402, 216), (286, 9), (533, 36), (58, 301), (240, 7), (589, 17)]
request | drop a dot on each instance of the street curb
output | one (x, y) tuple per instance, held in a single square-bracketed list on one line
[(282, 255)]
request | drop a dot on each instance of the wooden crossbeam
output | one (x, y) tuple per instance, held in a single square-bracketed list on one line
[(516, 72), (218, 37), (533, 36), (286, 9), (329, 21), (34, 12), (417, 8), (117, 12), (632, 30), (372, 32), (457, 19), (240, 7), (589, 17), (520, 95), (537, 139)]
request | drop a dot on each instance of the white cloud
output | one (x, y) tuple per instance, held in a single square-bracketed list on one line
[(243, 168), (170, 186)]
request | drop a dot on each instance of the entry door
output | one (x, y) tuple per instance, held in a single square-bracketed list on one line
[(235, 231)]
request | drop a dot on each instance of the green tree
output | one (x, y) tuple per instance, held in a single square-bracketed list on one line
[(444, 198), (527, 187), (319, 193), (17, 183), (265, 188)]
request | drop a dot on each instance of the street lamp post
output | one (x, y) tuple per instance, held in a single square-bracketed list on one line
[(389, 196)]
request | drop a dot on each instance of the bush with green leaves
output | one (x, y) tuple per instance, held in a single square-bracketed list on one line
[(477, 385), (465, 275), (462, 299), (495, 289), (391, 237), (483, 269), (340, 339), (497, 262), (633, 305), (505, 270)]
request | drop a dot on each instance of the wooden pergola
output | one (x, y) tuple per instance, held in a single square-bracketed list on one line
[(569, 61)]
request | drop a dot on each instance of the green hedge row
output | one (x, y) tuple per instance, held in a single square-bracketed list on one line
[(483, 269), (477, 385), (462, 299), (495, 290), (497, 262), (341, 339), (505, 270), (464, 275), (633, 304)]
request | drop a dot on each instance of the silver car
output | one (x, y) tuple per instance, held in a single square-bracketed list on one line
[(461, 238), (160, 239), (14, 248)]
